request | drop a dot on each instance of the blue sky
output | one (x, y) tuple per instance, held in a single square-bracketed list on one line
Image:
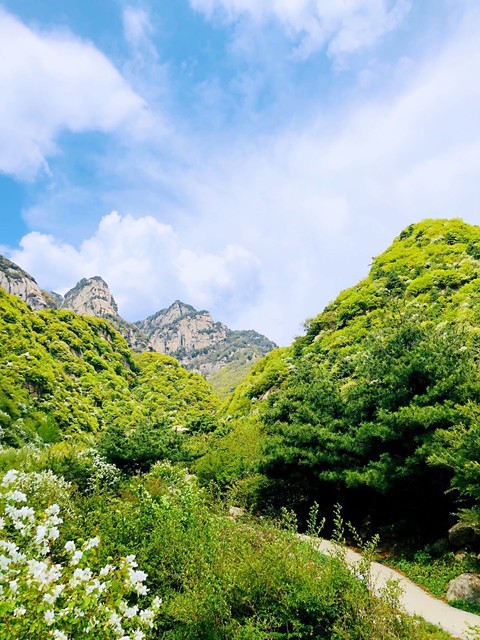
[(245, 156)]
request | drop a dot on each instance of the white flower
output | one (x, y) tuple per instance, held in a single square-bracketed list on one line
[(49, 616), (59, 635), (77, 556), (53, 533), (70, 546), (130, 612), (131, 561), (156, 603), (108, 568), (146, 616), (2, 523), (52, 510), (138, 635), (16, 496), (90, 544), (41, 533), (13, 585), (19, 611), (9, 477)]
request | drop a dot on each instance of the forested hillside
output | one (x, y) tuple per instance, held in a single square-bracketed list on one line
[(62, 374), (377, 406)]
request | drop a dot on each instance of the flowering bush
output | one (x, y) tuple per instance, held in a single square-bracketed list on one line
[(67, 600)]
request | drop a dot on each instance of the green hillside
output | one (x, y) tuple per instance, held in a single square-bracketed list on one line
[(377, 406), (117, 469), (63, 375)]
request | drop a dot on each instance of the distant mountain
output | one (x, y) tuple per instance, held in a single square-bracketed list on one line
[(199, 343), (190, 336)]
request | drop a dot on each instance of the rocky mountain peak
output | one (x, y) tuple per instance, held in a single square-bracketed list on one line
[(91, 297), (17, 281)]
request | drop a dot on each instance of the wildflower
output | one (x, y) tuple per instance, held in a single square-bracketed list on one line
[(9, 477), (16, 496), (130, 612), (49, 616), (70, 546), (77, 556), (19, 611), (53, 533), (59, 635), (41, 533), (146, 616), (52, 510), (90, 544)]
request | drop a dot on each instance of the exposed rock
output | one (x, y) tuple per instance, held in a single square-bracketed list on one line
[(199, 343), (463, 535), (439, 546), (91, 297), (236, 512), (181, 330), (17, 281), (465, 587), (53, 299)]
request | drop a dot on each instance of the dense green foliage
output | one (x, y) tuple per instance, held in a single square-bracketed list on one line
[(218, 579), (376, 406), (63, 374)]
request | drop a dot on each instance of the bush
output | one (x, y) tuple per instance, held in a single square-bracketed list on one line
[(63, 600)]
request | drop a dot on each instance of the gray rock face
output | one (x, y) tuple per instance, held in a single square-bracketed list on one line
[(91, 297), (465, 587), (463, 535), (181, 330), (18, 282), (199, 343)]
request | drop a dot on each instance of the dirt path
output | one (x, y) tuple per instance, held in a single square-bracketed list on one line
[(414, 600)]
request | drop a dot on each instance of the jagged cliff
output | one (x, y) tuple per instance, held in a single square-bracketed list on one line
[(190, 336), (17, 281), (198, 342), (91, 297)]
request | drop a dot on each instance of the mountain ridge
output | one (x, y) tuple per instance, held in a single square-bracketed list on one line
[(192, 337)]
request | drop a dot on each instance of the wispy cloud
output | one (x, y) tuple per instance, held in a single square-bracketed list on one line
[(340, 27), (51, 82)]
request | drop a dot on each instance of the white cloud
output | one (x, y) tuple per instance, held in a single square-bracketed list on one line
[(342, 26), (144, 264), (136, 26), (51, 82), (269, 229)]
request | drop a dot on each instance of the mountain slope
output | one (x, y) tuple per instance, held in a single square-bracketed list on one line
[(360, 409), (62, 373)]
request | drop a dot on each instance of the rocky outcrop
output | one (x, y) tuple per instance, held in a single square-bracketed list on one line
[(199, 343), (91, 297), (464, 535), (181, 330), (465, 587), (17, 281)]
